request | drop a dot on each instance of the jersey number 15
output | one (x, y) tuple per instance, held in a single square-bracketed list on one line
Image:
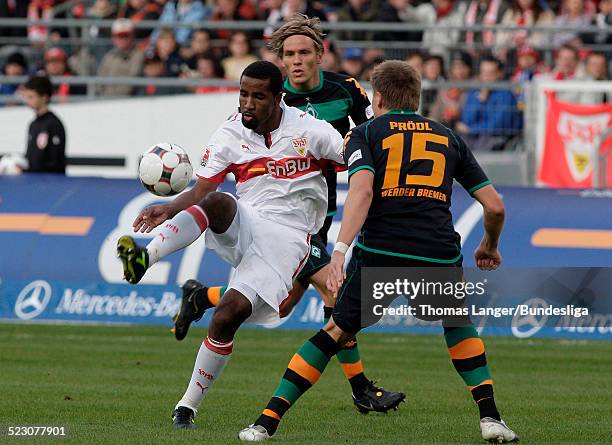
[(418, 151)]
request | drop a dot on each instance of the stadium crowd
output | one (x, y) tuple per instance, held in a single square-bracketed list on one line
[(579, 47)]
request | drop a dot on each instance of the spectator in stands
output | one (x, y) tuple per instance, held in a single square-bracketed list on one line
[(401, 11), (482, 12), (14, 66), (433, 71), (198, 46), (13, 9), (139, 10), (357, 11), (528, 66), (567, 64), (352, 62), (603, 22), (240, 56), (154, 68), (39, 10), (184, 11), (574, 16), (415, 60), (330, 60), (167, 50), (56, 64), (441, 39), (88, 58), (490, 117), (232, 10), (270, 56), (523, 13), (279, 11), (46, 151), (449, 102), (367, 72), (596, 66), (208, 67), (124, 60)]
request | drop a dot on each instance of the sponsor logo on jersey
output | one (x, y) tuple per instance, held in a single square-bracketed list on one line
[(205, 157), (245, 148), (354, 157), (42, 140), (287, 168), (300, 145), (315, 251)]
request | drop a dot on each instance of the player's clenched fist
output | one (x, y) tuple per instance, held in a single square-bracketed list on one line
[(336, 273), (487, 258), (150, 218)]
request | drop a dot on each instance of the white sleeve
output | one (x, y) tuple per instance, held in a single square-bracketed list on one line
[(214, 164), (328, 144)]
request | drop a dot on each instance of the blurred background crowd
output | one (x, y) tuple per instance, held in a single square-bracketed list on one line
[(451, 42)]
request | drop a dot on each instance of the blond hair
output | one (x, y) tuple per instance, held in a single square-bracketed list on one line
[(399, 85), (298, 24)]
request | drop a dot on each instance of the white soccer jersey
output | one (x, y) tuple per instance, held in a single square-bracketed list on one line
[(279, 174)]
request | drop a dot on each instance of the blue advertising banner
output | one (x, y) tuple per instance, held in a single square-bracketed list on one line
[(58, 238)]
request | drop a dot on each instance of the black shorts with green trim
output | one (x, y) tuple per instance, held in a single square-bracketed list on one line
[(347, 313), (317, 259)]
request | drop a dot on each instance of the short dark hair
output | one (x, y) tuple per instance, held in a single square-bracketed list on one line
[(398, 83), (491, 59), (264, 70), (41, 84)]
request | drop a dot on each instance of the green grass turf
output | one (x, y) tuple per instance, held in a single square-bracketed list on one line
[(120, 384)]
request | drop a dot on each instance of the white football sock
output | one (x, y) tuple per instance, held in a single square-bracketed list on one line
[(177, 233), (211, 359)]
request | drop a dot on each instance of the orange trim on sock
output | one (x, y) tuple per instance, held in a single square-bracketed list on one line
[(214, 295), (485, 382), (282, 398), (270, 413), (352, 369), (468, 348), (301, 366)]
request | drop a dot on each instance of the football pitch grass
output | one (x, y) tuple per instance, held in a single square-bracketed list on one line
[(120, 384)]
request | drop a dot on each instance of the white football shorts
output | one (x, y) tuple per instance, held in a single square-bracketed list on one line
[(266, 255)]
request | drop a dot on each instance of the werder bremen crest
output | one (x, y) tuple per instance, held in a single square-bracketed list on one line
[(311, 110)]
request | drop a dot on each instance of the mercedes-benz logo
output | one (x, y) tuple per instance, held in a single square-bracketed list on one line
[(33, 300), (524, 326)]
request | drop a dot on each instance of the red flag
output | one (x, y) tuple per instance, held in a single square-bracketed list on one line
[(572, 141)]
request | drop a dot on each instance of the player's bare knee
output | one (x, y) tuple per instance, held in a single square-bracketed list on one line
[(233, 310), (220, 209)]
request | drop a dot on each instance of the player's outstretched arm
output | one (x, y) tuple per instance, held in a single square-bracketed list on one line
[(355, 212), (487, 255), (153, 216)]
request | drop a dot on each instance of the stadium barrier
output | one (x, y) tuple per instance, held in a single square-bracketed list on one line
[(58, 261)]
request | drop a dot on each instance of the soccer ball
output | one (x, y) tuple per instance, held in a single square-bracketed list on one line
[(165, 169)]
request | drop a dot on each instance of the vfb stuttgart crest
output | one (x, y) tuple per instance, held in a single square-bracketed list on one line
[(300, 145)]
